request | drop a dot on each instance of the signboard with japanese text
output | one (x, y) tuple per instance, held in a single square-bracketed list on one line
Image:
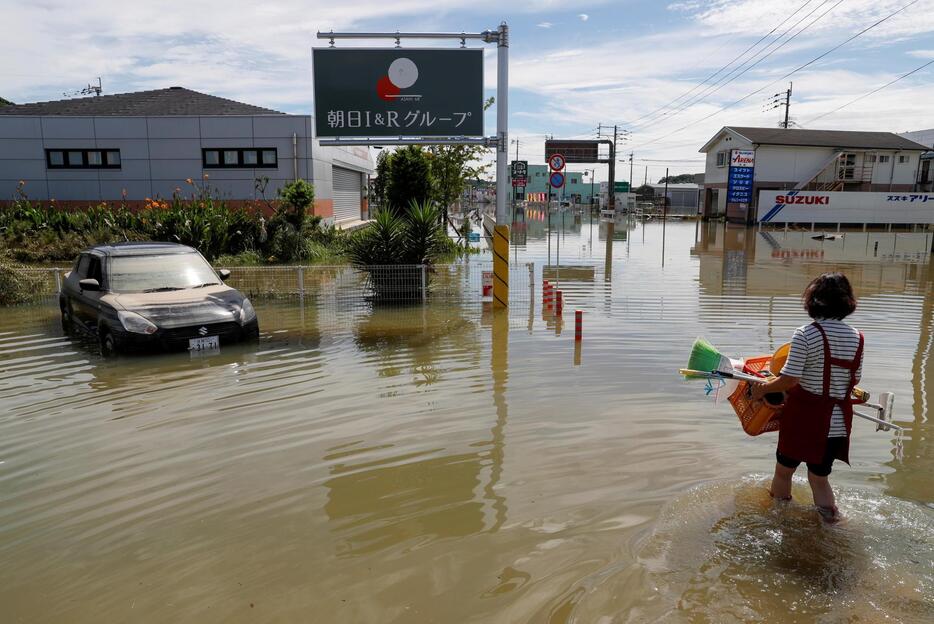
[(398, 92), (573, 151), (739, 182), (520, 181), (621, 187), (845, 207), (520, 169)]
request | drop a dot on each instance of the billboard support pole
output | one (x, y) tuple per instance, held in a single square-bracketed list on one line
[(501, 230)]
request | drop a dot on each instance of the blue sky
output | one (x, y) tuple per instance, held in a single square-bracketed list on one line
[(573, 64)]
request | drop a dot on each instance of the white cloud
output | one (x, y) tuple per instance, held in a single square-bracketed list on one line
[(544, 24), (922, 54), (583, 17)]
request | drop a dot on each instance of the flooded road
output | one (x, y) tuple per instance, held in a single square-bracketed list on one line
[(448, 464)]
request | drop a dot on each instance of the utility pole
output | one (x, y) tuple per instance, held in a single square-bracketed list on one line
[(778, 100)]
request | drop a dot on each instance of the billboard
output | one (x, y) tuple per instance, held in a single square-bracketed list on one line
[(844, 207), (739, 182), (573, 151), (396, 92)]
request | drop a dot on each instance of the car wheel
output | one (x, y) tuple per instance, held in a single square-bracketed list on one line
[(108, 343), (68, 325)]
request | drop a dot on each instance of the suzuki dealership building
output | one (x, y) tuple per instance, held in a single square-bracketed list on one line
[(795, 175), (132, 146)]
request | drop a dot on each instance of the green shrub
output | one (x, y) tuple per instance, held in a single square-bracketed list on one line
[(244, 258)]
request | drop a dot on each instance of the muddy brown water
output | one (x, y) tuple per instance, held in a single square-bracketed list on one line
[(401, 465)]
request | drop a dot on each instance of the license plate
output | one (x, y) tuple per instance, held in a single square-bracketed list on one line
[(208, 343)]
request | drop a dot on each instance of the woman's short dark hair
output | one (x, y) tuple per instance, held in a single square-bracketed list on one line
[(829, 296)]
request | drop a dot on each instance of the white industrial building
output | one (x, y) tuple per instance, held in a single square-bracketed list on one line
[(803, 161), (133, 146)]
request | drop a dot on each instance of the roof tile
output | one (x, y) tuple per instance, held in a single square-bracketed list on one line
[(160, 102)]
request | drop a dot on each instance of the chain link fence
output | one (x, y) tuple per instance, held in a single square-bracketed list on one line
[(349, 287)]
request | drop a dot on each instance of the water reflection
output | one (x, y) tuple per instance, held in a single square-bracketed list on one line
[(376, 503)]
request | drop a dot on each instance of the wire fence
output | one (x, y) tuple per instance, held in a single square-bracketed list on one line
[(350, 287)]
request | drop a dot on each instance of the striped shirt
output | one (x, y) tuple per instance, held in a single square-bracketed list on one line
[(806, 362)]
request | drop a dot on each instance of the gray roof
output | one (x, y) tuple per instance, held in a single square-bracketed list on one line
[(171, 101), (849, 139)]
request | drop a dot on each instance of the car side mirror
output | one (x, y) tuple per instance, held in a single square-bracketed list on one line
[(224, 274), (89, 284)]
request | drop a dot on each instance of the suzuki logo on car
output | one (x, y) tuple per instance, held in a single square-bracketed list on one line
[(203, 331)]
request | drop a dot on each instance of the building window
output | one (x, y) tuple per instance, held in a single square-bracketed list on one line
[(242, 158), (870, 158), (721, 159), (884, 158), (82, 159), (902, 160)]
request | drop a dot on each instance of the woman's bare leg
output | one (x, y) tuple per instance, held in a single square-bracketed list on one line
[(823, 493), (781, 482)]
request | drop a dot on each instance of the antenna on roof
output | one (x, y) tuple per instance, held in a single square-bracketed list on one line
[(88, 90)]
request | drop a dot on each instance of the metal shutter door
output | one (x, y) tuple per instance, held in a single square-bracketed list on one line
[(347, 189)]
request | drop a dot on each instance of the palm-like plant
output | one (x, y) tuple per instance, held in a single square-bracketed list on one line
[(404, 241)]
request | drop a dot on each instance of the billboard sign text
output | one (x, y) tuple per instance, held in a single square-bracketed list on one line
[(739, 182), (395, 92), (844, 207)]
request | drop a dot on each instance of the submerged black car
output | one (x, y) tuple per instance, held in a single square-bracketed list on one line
[(153, 296)]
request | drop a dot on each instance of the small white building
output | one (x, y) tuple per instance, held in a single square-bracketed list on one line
[(127, 147), (808, 160)]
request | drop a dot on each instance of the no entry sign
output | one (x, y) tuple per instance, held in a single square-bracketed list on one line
[(556, 162), (556, 179)]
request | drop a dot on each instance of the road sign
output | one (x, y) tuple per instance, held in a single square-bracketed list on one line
[(621, 187), (573, 151), (520, 181), (520, 169), (556, 162), (556, 179), (393, 92)]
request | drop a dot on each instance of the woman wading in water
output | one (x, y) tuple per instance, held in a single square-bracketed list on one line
[(824, 365)]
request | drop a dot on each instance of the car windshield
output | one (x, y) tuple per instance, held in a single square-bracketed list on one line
[(160, 272)]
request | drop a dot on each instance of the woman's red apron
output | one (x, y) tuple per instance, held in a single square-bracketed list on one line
[(805, 419)]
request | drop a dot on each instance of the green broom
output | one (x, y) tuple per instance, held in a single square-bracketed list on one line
[(705, 358)]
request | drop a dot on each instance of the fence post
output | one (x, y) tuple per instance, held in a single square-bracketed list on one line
[(301, 281), (424, 272), (58, 281), (531, 284)]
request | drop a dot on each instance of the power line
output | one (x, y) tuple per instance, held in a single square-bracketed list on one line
[(792, 72), (723, 82), (736, 58), (874, 91)]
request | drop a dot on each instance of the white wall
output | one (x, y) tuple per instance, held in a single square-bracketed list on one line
[(157, 154), (718, 175)]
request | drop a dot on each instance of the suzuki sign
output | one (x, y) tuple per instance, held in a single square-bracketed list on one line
[(844, 207), (398, 92)]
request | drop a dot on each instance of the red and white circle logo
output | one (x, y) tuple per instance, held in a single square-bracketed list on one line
[(402, 74)]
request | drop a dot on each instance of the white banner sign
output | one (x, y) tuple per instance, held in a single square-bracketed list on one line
[(742, 158), (844, 207)]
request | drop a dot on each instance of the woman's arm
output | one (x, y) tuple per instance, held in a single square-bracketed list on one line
[(782, 383)]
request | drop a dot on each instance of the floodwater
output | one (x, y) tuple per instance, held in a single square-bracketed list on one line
[(448, 464)]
